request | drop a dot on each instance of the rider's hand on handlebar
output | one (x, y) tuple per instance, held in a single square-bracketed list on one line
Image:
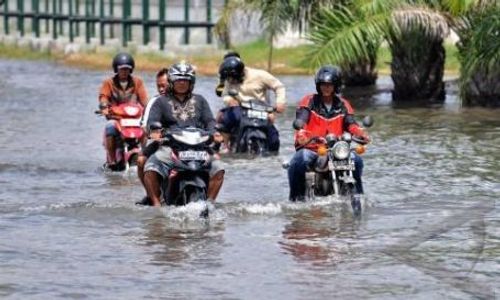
[(302, 137), (218, 137), (233, 102)]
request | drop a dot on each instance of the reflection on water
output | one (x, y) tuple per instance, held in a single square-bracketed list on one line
[(68, 230), (176, 243), (318, 235)]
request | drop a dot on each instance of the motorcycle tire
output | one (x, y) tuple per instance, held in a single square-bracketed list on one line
[(323, 184)]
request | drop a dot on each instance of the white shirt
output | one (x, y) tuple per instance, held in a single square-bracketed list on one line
[(145, 116)]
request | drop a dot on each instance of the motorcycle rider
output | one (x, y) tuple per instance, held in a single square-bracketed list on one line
[(122, 87), (250, 84), (162, 87), (322, 113), (180, 108)]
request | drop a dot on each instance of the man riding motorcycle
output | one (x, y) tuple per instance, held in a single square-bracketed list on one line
[(123, 87), (179, 108), (250, 84), (323, 113)]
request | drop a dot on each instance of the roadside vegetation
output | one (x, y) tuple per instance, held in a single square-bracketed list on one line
[(289, 61)]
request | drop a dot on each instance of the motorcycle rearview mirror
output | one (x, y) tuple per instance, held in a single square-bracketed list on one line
[(368, 121), (298, 124)]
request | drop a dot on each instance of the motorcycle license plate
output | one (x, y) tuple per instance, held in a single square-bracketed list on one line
[(130, 122), (340, 165), (257, 114), (193, 155)]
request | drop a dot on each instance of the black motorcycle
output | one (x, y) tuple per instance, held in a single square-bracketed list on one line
[(191, 156), (251, 136), (333, 171)]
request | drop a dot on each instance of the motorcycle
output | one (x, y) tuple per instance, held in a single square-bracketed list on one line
[(128, 116), (332, 174), (251, 135), (191, 156)]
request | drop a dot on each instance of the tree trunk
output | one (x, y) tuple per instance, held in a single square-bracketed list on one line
[(483, 89), (417, 68)]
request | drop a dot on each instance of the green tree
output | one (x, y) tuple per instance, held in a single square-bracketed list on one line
[(413, 30), (478, 28)]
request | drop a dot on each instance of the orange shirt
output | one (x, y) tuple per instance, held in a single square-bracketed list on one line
[(112, 92)]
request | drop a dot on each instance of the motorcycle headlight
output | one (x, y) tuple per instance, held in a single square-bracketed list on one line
[(341, 150)]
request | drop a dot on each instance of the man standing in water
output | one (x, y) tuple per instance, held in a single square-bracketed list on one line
[(181, 108), (123, 87)]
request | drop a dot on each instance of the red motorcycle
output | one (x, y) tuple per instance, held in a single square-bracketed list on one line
[(128, 122)]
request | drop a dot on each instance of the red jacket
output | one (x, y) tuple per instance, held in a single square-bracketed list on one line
[(319, 121)]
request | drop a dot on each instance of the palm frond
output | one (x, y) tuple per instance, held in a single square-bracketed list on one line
[(482, 49), (433, 22), (341, 37)]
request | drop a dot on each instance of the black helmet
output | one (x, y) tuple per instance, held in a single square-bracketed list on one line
[(123, 60), (181, 71), (328, 74), (232, 67)]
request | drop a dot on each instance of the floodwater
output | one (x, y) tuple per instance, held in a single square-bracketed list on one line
[(429, 228)]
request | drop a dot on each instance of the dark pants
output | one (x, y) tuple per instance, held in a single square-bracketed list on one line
[(305, 158), (230, 120)]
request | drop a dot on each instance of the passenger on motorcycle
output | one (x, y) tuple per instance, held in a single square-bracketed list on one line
[(162, 87), (250, 84), (180, 108), (123, 87), (322, 113)]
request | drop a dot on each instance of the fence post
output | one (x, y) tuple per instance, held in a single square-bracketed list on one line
[(61, 22), (87, 23), (186, 19), (47, 22), (20, 18), (54, 19), (162, 28), (101, 21), (92, 6), (70, 21), (77, 13), (124, 24), (111, 14), (6, 17), (145, 19), (35, 24), (209, 20)]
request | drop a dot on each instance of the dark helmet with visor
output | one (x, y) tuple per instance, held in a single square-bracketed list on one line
[(328, 74), (233, 67), (123, 60)]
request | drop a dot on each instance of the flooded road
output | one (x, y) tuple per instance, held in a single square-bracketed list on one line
[(430, 228)]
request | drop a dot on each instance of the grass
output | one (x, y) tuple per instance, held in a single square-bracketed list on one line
[(255, 54)]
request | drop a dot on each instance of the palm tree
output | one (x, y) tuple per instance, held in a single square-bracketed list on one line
[(479, 50), (413, 32)]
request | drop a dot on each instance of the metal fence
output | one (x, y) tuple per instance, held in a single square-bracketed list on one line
[(65, 18)]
